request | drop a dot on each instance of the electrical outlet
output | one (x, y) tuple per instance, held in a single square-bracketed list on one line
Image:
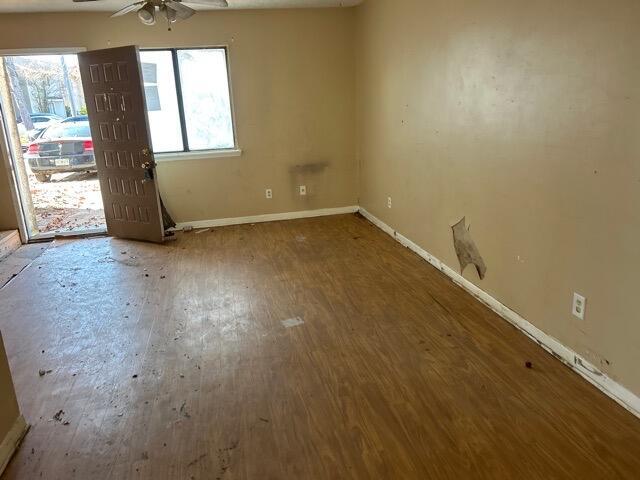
[(303, 189), (268, 193), (388, 202), (579, 305)]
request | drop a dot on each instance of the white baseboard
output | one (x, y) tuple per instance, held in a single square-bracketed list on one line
[(619, 393), (12, 441), (269, 217)]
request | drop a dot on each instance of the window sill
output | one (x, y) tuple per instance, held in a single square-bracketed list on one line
[(200, 155)]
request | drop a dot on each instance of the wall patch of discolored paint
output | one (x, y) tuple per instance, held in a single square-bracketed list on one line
[(312, 175), (309, 168), (466, 248)]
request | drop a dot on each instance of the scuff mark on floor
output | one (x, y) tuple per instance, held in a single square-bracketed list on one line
[(292, 322)]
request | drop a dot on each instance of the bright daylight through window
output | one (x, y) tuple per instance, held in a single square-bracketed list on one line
[(188, 101)]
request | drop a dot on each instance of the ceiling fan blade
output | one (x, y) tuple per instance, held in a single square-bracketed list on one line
[(210, 3), (182, 11), (128, 8)]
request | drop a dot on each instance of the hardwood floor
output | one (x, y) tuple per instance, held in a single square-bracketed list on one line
[(173, 362)]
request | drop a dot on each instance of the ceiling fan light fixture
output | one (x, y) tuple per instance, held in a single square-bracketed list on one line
[(172, 10), (169, 14), (147, 14)]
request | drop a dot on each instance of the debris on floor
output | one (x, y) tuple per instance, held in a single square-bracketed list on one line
[(466, 249), (42, 372), (528, 364), (167, 219), (58, 416), (224, 459), (292, 322), (196, 460), (183, 410), (205, 230)]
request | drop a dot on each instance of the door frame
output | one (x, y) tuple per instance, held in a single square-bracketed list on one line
[(10, 157), (7, 153)]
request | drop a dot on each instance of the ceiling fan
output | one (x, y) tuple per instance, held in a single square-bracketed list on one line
[(172, 10)]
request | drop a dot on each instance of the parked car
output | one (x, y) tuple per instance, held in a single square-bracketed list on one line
[(77, 118), (40, 122), (62, 148)]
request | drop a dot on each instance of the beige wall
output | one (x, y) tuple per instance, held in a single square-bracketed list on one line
[(8, 404), (523, 116), (292, 76)]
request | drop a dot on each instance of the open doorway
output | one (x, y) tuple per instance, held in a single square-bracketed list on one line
[(45, 115)]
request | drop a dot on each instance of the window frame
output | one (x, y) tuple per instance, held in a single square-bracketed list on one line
[(187, 153)]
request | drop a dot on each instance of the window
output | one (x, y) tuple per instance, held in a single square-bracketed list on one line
[(162, 101), (188, 101)]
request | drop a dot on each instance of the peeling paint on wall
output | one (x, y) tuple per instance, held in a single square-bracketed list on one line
[(466, 248)]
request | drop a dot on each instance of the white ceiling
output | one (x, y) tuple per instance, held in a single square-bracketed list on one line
[(113, 5)]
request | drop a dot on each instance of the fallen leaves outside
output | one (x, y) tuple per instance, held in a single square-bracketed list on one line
[(69, 202)]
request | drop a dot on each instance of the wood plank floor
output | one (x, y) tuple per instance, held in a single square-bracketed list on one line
[(172, 362)]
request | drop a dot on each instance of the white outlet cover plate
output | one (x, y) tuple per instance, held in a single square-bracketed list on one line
[(579, 305)]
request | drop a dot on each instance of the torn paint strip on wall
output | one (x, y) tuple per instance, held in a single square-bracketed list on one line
[(466, 248)]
